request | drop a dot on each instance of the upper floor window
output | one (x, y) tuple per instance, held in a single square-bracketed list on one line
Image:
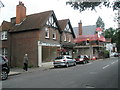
[(51, 22), (65, 38), (46, 33), (69, 38), (54, 36), (4, 35)]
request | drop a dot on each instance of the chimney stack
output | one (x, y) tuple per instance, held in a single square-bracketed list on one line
[(80, 27), (20, 12)]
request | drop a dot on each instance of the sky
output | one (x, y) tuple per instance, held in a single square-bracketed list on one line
[(62, 11)]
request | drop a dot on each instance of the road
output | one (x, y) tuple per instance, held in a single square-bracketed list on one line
[(96, 74)]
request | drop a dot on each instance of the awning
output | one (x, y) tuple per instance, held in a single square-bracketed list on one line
[(95, 37)]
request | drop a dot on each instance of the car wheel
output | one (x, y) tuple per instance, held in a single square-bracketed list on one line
[(74, 63), (84, 62), (55, 66), (4, 75), (67, 65)]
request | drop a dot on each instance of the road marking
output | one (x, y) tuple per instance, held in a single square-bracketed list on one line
[(112, 62), (105, 66)]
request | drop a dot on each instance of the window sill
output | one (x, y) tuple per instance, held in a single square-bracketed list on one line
[(46, 37)]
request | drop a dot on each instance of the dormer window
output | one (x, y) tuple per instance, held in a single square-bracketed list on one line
[(4, 35), (54, 36), (46, 33)]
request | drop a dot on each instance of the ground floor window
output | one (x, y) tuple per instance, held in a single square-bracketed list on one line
[(49, 53), (4, 51)]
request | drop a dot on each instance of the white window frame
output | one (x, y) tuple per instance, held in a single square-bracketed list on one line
[(47, 31), (54, 36), (4, 35), (65, 38), (69, 38), (4, 51)]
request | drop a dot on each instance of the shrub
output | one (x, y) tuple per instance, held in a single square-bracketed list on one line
[(106, 54)]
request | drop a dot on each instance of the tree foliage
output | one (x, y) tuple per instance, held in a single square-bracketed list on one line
[(114, 34), (82, 6), (100, 23)]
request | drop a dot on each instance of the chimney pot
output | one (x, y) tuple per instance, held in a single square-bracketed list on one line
[(20, 12)]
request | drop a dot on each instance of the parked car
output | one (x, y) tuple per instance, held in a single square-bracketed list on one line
[(94, 58), (64, 61), (82, 59), (86, 58), (116, 55), (5, 68)]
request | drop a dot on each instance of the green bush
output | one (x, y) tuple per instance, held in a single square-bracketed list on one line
[(106, 54)]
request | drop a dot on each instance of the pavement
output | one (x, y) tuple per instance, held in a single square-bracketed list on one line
[(44, 66)]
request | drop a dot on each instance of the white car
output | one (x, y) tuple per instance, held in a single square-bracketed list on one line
[(64, 61)]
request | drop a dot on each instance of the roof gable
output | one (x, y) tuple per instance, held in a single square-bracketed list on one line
[(5, 26), (34, 21), (64, 23)]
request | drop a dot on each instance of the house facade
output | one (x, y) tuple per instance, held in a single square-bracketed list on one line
[(67, 36), (89, 41), (38, 35)]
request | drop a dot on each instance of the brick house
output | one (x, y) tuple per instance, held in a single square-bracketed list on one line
[(67, 36), (38, 35), (4, 38)]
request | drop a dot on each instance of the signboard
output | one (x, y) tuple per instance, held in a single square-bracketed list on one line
[(48, 44)]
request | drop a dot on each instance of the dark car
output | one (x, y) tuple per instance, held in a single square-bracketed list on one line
[(5, 68), (116, 55), (82, 59)]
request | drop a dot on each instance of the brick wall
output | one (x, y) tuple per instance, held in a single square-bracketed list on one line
[(22, 43)]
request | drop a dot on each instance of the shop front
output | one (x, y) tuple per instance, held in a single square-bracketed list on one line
[(47, 52)]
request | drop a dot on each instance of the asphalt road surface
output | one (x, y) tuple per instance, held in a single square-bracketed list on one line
[(96, 74)]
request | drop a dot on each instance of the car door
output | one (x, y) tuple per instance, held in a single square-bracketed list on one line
[(70, 60)]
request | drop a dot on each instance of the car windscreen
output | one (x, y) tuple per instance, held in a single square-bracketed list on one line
[(57, 58), (80, 56)]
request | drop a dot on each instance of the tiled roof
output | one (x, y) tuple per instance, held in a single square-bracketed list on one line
[(33, 21), (5, 26), (86, 30), (63, 23)]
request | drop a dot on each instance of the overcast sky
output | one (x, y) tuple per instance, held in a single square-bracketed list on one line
[(62, 11)]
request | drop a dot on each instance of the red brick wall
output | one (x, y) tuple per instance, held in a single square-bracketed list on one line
[(22, 43), (27, 42), (50, 40), (68, 35)]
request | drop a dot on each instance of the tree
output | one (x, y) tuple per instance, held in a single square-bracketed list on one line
[(117, 39), (110, 33), (82, 6), (100, 23), (114, 34)]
